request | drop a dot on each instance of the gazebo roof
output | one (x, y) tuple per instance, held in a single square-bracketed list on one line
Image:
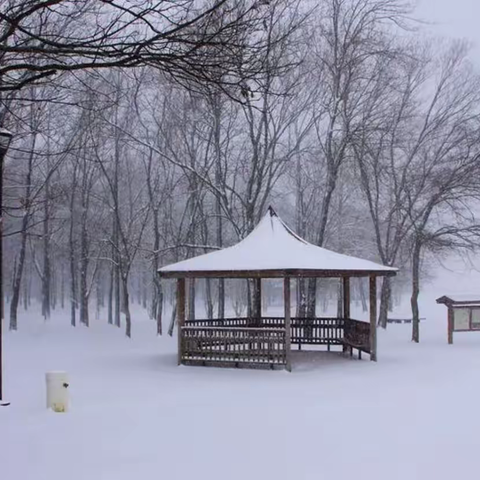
[(272, 250)]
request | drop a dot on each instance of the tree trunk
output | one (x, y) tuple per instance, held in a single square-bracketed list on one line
[(217, 115), (416, 291), (73, 290), (116, 234), (326, 204), (62, 286), (363, 295), (144, 288), (138, 292), (221, 298), (21, 262), (71, 245), (46, 275), (340, 299), (208, 298), (301, 298), (98, 296), (385, 302), (84, 261), (26, 292), (159, 307), (301, 292), (17, 284), (18, 273), (311, 298), (157, 299), (191, 299), (53, 288), (126, 307), (256, 298), (111, 289), (117, 295), (172, 319)]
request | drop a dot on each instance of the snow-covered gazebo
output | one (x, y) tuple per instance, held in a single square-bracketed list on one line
[(272, 250)]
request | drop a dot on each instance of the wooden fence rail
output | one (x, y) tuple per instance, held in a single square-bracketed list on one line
[(306, 331), (357, 335), (261, 341), (233, 345), (317, 331)]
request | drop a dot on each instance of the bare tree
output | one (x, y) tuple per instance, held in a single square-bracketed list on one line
[(368, 142), (428, 108), (442, 213), (26, 206), (190, 40), (350, 44)]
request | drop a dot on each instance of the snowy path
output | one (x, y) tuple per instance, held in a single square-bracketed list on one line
[(414, 415)]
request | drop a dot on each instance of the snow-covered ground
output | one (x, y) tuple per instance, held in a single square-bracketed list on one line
[(135, 414)]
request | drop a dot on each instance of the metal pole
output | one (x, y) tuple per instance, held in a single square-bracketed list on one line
[(2, 156), (5, 138)]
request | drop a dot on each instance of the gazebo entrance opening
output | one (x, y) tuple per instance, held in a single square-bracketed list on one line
[(272, 250)]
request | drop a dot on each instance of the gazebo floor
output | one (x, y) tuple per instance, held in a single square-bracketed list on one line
[(312, 358)]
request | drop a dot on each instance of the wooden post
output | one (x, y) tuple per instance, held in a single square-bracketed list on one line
[(259, 299), (373, 318), (346, 298), (346, 307), (180, 314), (187, 299), (450, 325), (288, 330)]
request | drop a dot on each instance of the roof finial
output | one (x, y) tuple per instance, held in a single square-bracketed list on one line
[(272, 212)]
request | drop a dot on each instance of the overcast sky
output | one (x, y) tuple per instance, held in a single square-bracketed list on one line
[(453, 18)]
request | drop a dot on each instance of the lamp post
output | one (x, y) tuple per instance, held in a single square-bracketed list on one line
[(5, 139)]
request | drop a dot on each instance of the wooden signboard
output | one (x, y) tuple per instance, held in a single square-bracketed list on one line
[(466, 319), (463, 314)]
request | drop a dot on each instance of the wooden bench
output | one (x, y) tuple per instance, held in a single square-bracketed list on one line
[(351, 345), (403, 320)]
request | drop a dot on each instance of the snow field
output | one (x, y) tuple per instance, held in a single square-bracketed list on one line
[(135, 414)]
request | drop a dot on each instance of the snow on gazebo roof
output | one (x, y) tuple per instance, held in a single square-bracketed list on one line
[(273, 250)]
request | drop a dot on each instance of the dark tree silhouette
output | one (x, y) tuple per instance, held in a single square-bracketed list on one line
[(190, 40)]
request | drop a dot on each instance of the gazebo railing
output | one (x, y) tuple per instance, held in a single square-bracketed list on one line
[(304, 331), (317, 331), (262, 341), (357, 335), (201, 345), (219, 322)]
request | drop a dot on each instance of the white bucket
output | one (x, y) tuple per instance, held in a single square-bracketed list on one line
[(57, 391)]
